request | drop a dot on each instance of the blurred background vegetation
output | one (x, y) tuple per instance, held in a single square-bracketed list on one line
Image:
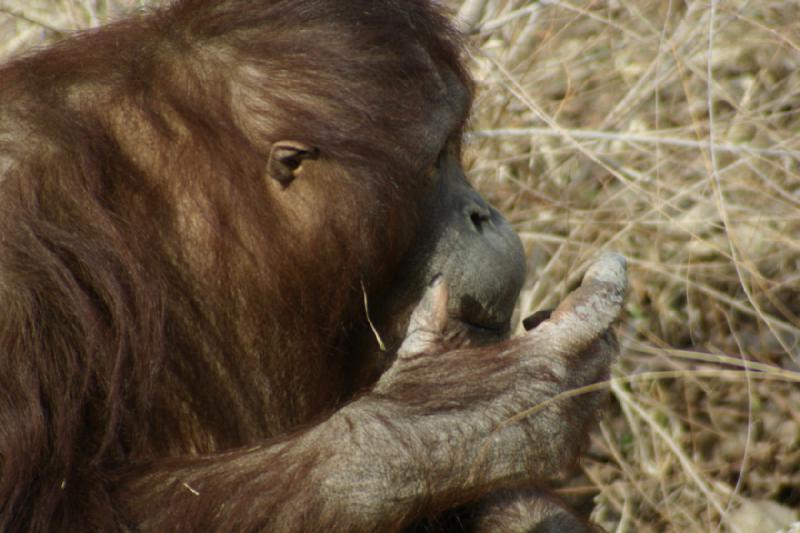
[(668, 130)]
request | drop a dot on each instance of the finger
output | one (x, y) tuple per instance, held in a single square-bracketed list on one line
[(428, 320), (589, 310)]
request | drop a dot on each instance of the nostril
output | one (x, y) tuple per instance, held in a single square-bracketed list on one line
[(479, 218)]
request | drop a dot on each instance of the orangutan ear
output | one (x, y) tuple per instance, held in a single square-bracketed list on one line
[(286, 159)]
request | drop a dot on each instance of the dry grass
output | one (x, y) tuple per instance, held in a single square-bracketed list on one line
[(670, 131)]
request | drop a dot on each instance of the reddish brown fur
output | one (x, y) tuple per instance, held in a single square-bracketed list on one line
[(102, 305), (165, 312)]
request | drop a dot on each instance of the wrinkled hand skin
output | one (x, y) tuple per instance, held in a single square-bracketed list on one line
[(439, 431), (457, 429)]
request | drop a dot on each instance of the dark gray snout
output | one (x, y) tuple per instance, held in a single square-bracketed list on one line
[(476, 250)]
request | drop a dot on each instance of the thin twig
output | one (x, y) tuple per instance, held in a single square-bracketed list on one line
[(31, 19), (594, 135), (470, 14)]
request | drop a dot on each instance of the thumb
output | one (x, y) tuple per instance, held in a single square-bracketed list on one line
[(428, 320)]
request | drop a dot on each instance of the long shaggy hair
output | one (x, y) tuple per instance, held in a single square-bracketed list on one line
[(157, 298)]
